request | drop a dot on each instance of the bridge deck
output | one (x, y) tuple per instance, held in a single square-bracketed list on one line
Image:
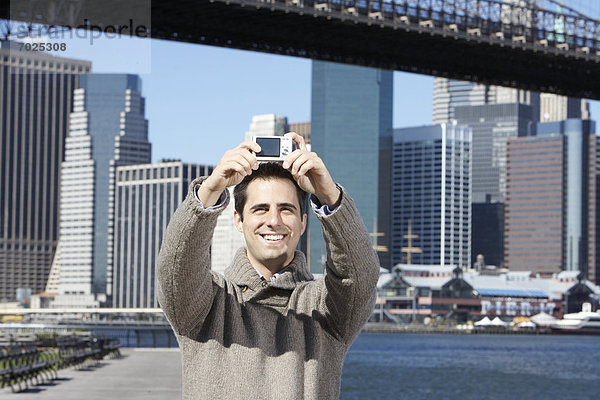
[(479, 40)]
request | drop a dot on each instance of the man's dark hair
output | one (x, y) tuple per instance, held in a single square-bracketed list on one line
[(267, 171)]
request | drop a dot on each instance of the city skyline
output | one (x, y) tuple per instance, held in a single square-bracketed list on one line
[(195, 101), (482, 203)]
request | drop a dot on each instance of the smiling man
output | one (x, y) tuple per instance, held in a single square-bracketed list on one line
[(266, 329), (270, 210)]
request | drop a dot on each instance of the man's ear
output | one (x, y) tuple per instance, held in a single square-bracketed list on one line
[(238, 221), (304, 220)]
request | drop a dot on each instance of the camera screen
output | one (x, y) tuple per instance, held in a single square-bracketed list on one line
[(269, 147)]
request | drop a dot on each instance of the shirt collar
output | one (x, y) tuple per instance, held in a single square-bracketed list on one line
[(275, 275), (241, 272)]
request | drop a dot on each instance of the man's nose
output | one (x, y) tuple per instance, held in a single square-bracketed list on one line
[(274, 217)]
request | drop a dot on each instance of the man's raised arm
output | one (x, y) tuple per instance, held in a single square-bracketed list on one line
[(351, 271), (352, 268), (184, 281)]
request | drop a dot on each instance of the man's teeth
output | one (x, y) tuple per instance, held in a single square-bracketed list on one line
[(273, 237)]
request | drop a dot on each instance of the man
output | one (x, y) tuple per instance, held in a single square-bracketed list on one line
[(267, 329)]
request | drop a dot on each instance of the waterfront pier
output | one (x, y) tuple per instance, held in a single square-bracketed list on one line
[(149, 374)]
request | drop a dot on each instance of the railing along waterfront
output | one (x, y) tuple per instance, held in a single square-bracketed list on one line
[(132, 327)]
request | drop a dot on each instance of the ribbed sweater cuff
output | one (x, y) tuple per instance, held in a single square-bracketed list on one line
[(344, 222), (197, 207)]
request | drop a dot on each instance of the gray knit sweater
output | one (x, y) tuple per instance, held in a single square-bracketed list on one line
[(242, 337)]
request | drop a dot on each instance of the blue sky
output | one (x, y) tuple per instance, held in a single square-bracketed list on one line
[(200, 99)]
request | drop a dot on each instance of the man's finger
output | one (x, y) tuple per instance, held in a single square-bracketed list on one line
[(239, 166), (297, 164), (247, 156), (291, 158), (299, 140), (250, 145), (307, 166)]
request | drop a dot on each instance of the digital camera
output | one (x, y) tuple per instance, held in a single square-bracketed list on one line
[(273, 148)]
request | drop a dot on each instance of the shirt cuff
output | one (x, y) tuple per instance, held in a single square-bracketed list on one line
[(220, 202), (322, 209)]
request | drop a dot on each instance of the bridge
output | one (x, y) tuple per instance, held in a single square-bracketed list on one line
[(512, 43), (480, 40)]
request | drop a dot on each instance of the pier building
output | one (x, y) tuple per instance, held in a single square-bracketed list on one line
[(414, 292)]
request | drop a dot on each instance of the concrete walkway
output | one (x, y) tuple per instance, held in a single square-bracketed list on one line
[(147, 374)]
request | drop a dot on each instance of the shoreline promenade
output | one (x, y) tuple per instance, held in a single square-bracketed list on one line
[(149, 374)]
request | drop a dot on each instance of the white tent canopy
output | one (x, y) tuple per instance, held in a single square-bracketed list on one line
[(498, 322), (543, 319), (485, 321)]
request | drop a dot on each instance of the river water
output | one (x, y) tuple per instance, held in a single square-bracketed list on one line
[(412, 366)]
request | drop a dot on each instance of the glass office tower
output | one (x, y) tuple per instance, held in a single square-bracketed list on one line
[(351, 130), (107, 129), (431, 193)]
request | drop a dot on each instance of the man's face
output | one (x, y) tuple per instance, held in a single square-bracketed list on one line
[(272, 223)]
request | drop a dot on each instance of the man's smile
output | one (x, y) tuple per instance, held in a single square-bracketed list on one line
[(273, 237)]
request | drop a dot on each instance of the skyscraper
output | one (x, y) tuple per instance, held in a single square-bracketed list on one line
[(351, 130), (146, 196), (533, 236), (552, 206), (431, 193), (107, 129), (491, 125), (36, 92)]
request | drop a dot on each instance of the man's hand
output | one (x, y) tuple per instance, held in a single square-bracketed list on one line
[(233, 167), (310, 173)]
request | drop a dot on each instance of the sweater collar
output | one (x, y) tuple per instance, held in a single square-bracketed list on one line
[(241, 272)]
